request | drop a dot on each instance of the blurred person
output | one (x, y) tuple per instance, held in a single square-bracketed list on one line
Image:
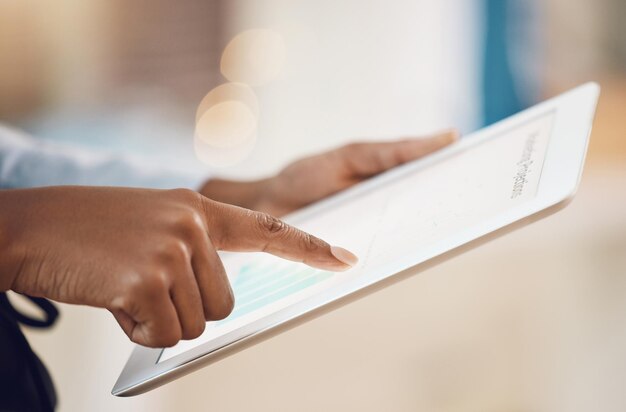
[(89, 229)]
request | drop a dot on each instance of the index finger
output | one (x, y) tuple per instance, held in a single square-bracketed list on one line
[(237, 229), (368, 159)]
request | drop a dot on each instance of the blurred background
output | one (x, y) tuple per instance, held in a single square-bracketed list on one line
[(535, 321)]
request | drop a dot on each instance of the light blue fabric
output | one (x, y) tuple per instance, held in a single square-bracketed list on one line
[(27, 162)]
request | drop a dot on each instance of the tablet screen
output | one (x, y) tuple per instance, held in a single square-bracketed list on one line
[(389, 223)]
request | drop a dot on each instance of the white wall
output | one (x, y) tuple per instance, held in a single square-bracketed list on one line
[(362, 69)]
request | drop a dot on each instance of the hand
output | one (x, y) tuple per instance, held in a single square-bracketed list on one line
[(316, 177), (148, 256)]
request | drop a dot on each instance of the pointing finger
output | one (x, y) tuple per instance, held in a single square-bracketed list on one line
[(243, 230)]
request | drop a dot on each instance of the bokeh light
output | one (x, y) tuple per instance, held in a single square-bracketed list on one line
[(255, 57), (227, 117), (226, 125), (227, 92), (226, 122)]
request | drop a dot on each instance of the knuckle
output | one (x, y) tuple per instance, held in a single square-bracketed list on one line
[(173, 254), (309, 242), (150, 285), (189, 223), (270, 224), (133, 287), (186, 195)]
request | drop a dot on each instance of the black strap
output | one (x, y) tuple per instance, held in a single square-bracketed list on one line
[(52, 313), (41, 379)]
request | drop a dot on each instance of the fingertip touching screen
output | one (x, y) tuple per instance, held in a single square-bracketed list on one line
[(391, 222)]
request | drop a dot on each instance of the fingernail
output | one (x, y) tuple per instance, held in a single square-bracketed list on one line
[(344, 256)]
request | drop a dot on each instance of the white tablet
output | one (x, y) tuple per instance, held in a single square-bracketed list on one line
[(399, 223)]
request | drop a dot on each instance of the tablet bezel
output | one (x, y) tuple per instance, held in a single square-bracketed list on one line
[(563, 165)]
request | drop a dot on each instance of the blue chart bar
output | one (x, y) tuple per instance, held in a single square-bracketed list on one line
[(257, 286)]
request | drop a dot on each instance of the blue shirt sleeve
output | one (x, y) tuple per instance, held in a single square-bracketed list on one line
[(27, 162)]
